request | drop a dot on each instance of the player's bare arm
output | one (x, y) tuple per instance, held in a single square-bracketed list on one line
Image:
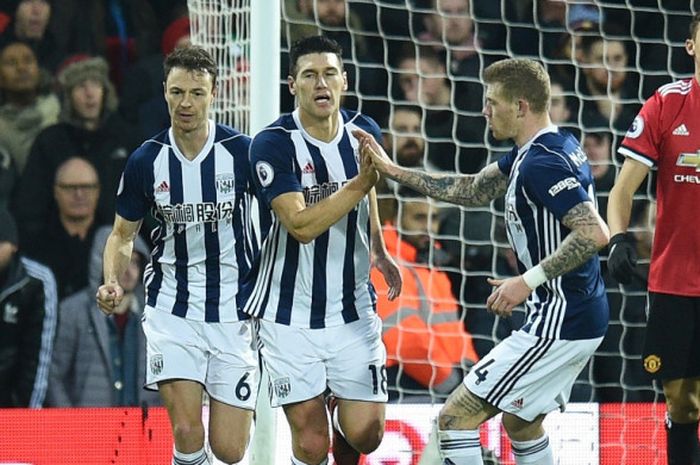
[(620, 202), (380, 257), (306, 222), (467, 190), (117, 255), (589, 234)]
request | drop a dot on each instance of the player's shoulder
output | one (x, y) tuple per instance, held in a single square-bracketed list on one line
[(277, 132), (231, 138), (151, 147), (672, 95), (555, 148), (351, 117)]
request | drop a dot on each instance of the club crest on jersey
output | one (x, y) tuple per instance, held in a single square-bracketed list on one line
[(282, 387), (636, 129), (225, 183), (157, 364), (652, 363), (265, 173)]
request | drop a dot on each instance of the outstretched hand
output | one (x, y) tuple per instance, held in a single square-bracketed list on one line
[(507, 293), (390, 270), (109, 296), (370, 148)]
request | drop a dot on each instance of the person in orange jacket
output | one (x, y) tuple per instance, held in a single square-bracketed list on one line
[(427, 345)]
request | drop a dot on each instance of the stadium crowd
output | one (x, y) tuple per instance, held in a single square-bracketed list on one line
[(81, 87)]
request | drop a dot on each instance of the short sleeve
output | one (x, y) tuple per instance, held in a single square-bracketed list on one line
[(505, 163), (132, 203), (641, 141), (555, 184), (272, 163)]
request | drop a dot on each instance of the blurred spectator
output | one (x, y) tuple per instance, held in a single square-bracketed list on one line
[(141, 103), (27, 322), (608, 91), (455, 141), (450, 28), (89, 127), (427, 346), (98, 360), (598, 147), (8, 177), (26, 107), (30, 25), (618, 373), (120, 30), (64, 244), (559, 110)]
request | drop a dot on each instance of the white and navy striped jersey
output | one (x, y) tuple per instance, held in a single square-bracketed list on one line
[(326, 282), (548, 176), (203, 243)]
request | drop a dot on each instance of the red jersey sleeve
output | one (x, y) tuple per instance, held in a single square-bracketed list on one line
[(642, 140)]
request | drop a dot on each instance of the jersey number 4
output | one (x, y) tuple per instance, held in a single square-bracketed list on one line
[(482, 372)]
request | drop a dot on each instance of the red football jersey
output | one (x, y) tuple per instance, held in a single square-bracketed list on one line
[(666, 134)]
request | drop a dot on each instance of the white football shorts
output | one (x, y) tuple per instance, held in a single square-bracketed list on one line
[(350, 359), (527, 376), (220, 356)]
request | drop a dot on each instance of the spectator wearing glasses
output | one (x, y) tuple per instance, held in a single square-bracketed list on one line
[(90, 126), (64, 245)]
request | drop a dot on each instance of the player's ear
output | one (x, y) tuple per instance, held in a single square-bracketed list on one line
[(690, 47), (345, 81), (292, 85), (522, 107)]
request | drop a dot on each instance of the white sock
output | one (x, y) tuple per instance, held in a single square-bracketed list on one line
[(296, 461), (460, 447), (194, 458), (535, 452)]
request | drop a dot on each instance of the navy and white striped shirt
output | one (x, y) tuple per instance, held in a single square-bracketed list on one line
[(204, 243), (548, 176), (326, 282)]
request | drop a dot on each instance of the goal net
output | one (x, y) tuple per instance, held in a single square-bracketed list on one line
[(415, 66)]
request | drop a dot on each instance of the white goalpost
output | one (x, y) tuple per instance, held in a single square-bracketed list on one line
[(244, 38)]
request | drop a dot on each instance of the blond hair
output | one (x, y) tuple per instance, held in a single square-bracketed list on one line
[(521, 79)]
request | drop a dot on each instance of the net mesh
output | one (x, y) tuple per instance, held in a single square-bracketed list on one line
[(416, 67), (222, 27)]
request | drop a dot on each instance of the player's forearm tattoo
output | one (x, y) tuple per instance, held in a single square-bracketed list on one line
[(579, 245), (467, 190)]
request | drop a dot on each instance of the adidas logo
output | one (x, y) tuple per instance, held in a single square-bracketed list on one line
[(309, 168), (681, 131), (163, 187), (518, 403)]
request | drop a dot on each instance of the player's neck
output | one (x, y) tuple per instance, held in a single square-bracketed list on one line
[(531, 126), (323, 129), (191, 143)]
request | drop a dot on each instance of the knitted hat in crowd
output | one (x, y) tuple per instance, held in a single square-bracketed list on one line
[(78, 68), (8, 227)]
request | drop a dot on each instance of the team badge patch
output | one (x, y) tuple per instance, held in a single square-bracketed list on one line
[(265, 173), (636, 129), (157, 364), (225, 183), (282, 387), (652, 363)]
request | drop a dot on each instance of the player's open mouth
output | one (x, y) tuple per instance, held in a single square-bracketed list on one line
[(322, 99)]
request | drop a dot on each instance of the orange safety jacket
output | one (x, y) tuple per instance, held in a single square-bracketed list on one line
[(421, 328)]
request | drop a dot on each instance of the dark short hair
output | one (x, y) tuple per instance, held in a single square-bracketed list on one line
[(694, 23), (313, 44), (192, 58)]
